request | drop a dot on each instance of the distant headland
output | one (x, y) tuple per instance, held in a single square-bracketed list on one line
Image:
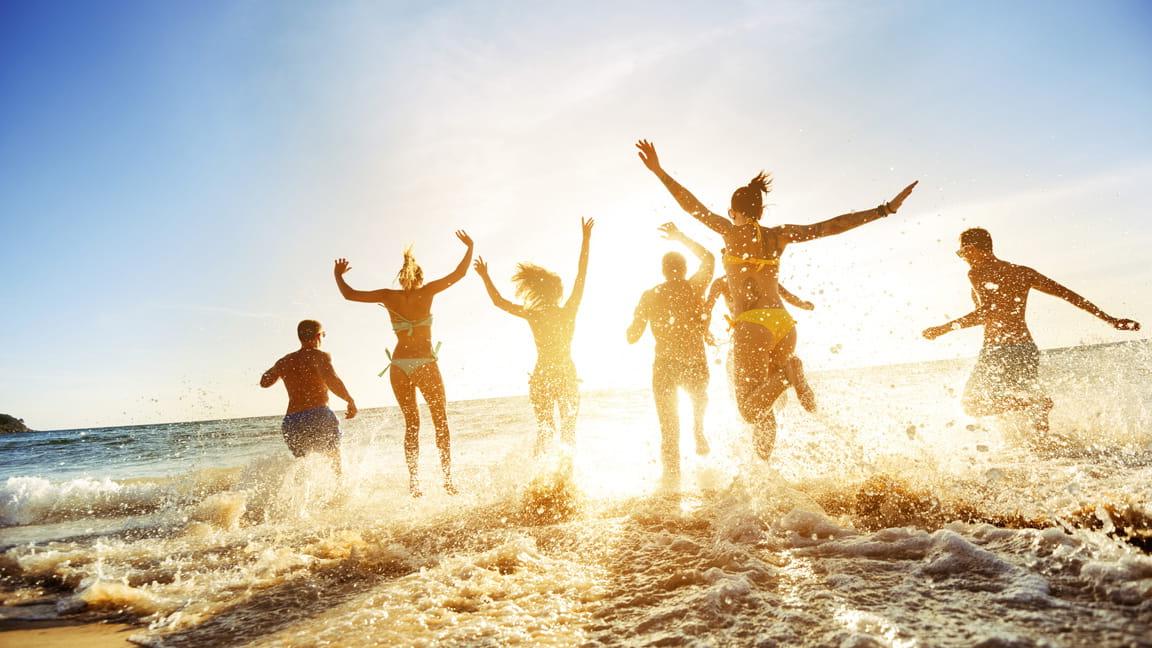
[(12, 424)]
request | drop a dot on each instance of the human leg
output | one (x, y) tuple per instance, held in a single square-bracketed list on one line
[(544, 406), (758, 383), (794, 370), (664, 385), (695, 382), (405, 391), (568, 407), (431, 384)]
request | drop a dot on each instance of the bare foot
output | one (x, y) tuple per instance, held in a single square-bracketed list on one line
[(414, 488), (803, 390), (450, 488), (701, 444)]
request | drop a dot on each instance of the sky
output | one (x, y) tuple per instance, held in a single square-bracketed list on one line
[(177, 178)]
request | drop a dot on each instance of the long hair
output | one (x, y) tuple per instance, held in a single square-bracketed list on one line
[(749, 199), (537, 286), (411, 275)]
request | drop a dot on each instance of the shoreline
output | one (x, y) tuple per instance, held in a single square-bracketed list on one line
[(65, 633)]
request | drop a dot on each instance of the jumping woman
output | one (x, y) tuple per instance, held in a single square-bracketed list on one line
[(413, 363), (764, 334), (552, 388)]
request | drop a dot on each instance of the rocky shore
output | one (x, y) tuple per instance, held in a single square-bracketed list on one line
[(12, 424)]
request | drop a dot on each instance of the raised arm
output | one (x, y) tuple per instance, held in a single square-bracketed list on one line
[(719, 289), (461, 268), (787, 295), (639, 319), (845, 222), (687, 201), (497, 299), (703, 274), (333, 382), (1051, 287), (350, 293), (573, 302)]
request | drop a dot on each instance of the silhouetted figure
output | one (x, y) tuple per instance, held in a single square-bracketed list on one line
[(413, 362), (553, 387), (764, 334), (675, 311), (1005, 376), (309, 426)]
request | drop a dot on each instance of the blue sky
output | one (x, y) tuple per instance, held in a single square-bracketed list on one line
[(175, 180)]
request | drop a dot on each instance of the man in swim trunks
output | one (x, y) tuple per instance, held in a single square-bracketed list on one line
[(309, 426), (675, 310), (1005, 376)]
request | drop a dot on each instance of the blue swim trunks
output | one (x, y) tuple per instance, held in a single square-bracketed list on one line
[(312, 430)]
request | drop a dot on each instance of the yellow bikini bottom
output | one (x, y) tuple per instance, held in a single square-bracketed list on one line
[(777, 320)]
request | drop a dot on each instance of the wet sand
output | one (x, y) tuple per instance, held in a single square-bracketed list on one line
[(64, 634)]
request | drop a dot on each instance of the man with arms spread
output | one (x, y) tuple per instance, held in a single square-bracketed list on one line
[(1005, 376), (675, 309), (309, 426)]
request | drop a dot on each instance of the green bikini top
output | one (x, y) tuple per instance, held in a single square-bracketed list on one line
[(405, 324)]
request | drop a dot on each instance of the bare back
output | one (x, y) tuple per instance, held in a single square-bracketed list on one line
[(751, 283), (553, 328), (305, 374), (675, 311), (1000, 290), (409, 311)]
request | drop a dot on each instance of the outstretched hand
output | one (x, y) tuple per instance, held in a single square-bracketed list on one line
[(894, 204), (1125, 324), (936, 331), (670, 231), (648, 155), (341, 267), (481, 267), (464, 238), (804, 304), (586, 225)]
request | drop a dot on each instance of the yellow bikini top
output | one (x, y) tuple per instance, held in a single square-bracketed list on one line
[(751, 260), (759, 263)]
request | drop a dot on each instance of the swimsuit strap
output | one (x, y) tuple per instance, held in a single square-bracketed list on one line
[(391, 361), (731, 258), (406, 324), (751, 260)]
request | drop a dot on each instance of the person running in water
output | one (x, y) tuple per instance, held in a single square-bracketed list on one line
[(308, 425), (720, 289), (1005, 376), (675, 310), (764, 334), (553, 386), (413, 363)]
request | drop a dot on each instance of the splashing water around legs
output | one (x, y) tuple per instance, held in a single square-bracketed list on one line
[(884, 521)]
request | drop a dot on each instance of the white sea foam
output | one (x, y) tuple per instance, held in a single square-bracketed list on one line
[(859, 536), (28, 500)]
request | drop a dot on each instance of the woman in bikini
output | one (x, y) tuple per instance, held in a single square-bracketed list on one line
[(552, 388), (763, 334), (414, 359), (720, 289)]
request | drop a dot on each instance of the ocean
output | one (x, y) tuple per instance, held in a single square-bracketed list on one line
[(889, 518)]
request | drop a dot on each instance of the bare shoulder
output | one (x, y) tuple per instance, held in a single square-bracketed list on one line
[(1022, 272), (308, 357), (390, 295)]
